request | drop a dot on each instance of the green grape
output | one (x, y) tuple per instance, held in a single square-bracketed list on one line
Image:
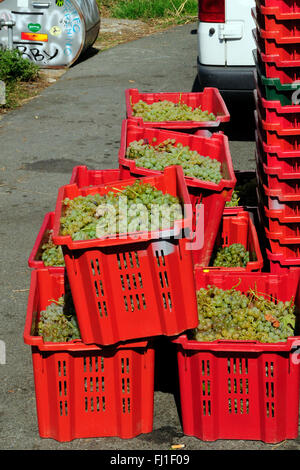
[(244, 194), (168, 153), (230, 314), (58, 321), (135, 208), (51, 254), (234, 201), (168, 111), (234, 255)]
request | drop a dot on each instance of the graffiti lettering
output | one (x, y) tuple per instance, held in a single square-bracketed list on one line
[(36, 54)]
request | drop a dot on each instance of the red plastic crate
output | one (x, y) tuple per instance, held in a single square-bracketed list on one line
[(82, 176), (284, 213), (276, 185), (125, 288), (240, 389), (286, 244), (212, 196), (281, 9), (273, 66), (239, 228), (286, 51), (285, 141), (284, 247), (278, 168), (285, 120), (86, 391), (275, 229), (282, 31), (279, 264), (286, 163), (209, 99), (34, 260)]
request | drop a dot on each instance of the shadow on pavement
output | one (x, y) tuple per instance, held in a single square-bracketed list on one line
[(241, 108), (166, 378)]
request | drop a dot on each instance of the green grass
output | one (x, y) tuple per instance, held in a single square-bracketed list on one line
[(150, 9), (15, 71), (14, 67)]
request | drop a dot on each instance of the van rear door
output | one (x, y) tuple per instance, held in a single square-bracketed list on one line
[(237, 32)]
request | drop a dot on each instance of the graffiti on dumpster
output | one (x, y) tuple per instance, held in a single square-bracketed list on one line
[(36, 54), (53, 38), (53, 34)]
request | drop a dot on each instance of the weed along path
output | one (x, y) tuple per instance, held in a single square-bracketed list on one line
[(77, 121)]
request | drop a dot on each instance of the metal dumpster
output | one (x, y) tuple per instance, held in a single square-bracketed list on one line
[(51, 33)]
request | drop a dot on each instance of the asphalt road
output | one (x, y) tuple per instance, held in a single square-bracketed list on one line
[(77, 120)]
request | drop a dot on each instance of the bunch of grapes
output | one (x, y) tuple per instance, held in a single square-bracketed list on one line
[(138, 207), (158, 157), (234, 255), (235, 199), (232, 315), (244, 194), (58, 322), (51, 254), (168, 111)]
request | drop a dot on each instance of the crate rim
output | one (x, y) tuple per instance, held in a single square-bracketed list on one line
[(76, 345), (180, 124), (131, 238), (218, 137), (233, 346), (272, 34)]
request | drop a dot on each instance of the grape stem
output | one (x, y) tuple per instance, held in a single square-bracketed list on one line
[(122, 190)]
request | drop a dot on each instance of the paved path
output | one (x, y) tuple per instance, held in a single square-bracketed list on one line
[(77, 120)]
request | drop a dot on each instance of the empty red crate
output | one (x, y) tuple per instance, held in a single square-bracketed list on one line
[(130, 286), (279, 264), (82, 176), (86, 391), (241, 389), (282, 31), (286, 213), (282, 9), (209, 99), (275, 117), (283, 231), (275, 185), (286, 244), (239, 228), (285, 140), (272, 47), (280, 169), (288, 249), (35, 257), (213, 196), (273, 66), (287, 163)]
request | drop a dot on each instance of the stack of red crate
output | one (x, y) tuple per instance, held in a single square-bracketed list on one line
[(126, 291), (277, 56)]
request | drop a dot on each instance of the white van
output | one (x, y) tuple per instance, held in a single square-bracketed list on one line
[(225, 45)]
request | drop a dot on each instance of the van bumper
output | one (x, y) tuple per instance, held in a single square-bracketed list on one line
[(226, 78)]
